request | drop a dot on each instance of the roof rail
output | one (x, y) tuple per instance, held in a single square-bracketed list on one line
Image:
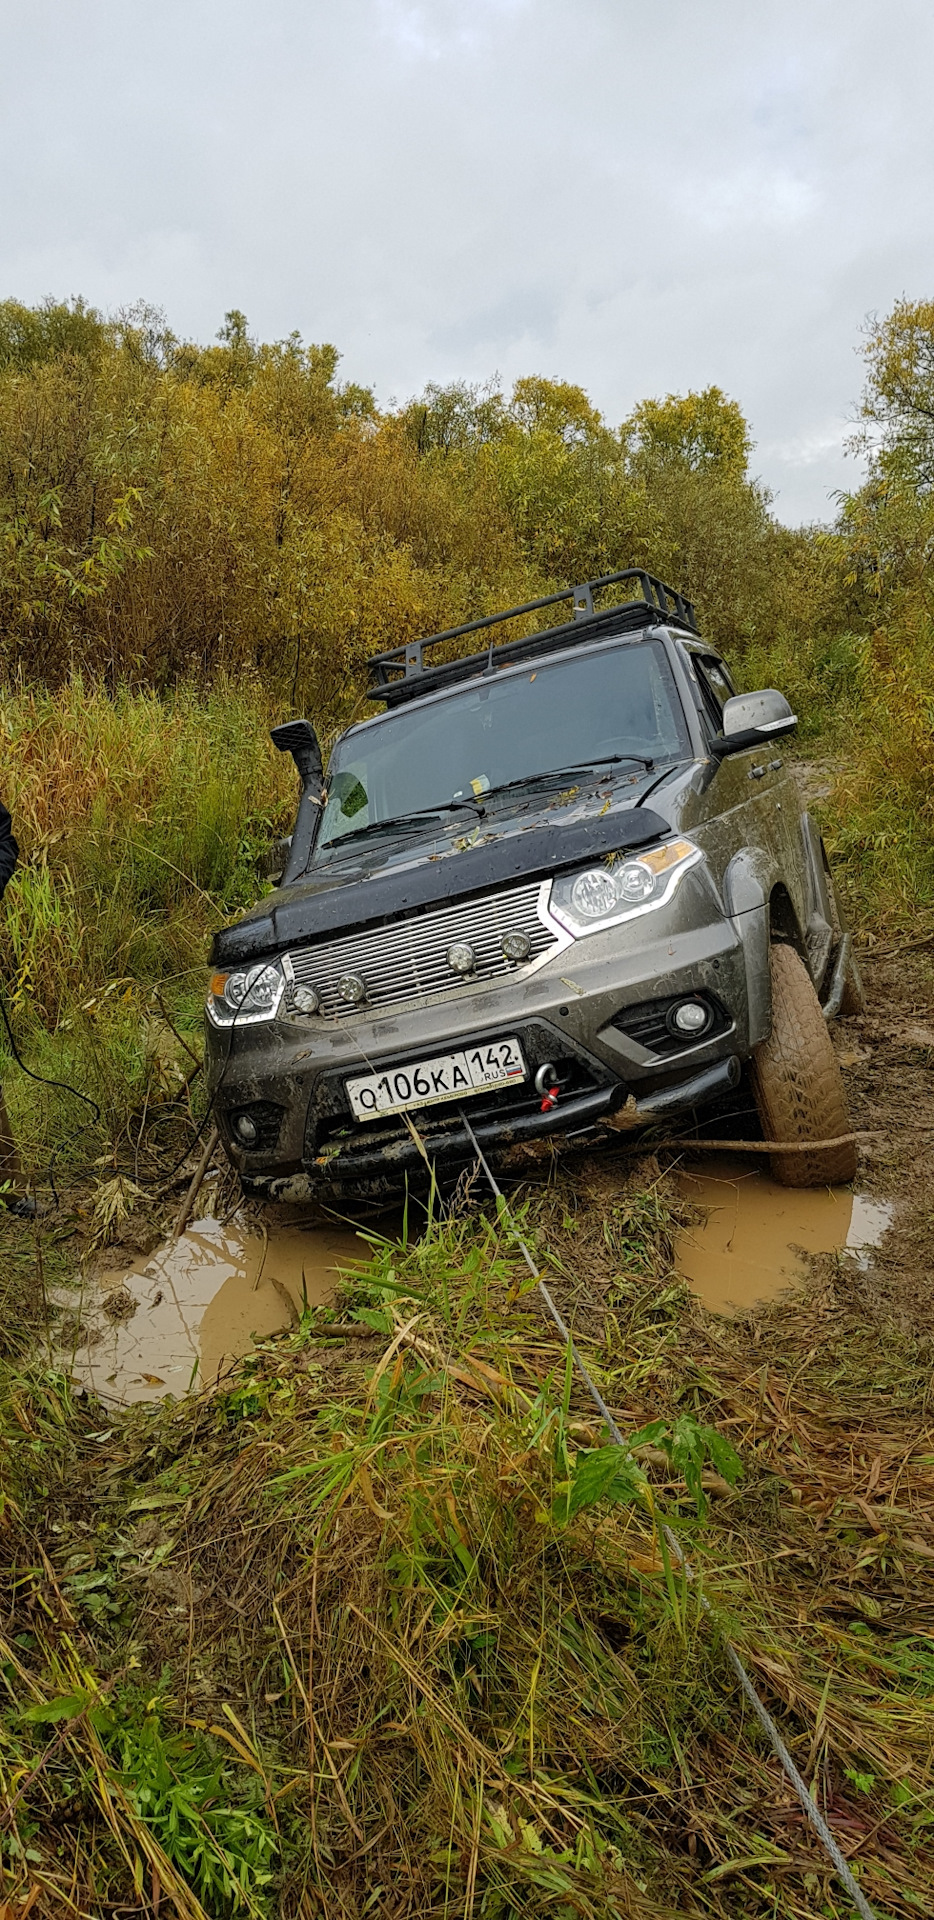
[(402, 673)]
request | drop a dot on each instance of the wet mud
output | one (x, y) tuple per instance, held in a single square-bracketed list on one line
[(178, 1320), (752, 1238)]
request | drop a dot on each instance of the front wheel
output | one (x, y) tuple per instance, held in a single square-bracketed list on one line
[(797, 1082)]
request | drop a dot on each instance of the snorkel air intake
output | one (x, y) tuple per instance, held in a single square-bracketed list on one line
[(299, 738)]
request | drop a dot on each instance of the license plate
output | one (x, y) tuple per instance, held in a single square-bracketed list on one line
[(450, 1076)]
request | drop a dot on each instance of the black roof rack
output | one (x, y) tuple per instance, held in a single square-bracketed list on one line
[(402, 673)]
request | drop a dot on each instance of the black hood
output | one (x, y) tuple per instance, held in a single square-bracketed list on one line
[(371, 885)]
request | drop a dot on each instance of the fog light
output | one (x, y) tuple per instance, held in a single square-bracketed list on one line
[(690, 1017), (352, 987), (516, 946), (305, 1000), (245, 1129), (461, 957)]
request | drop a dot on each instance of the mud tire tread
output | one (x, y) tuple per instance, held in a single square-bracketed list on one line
[(797, 1082)]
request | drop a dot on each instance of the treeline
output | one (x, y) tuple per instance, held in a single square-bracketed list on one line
[(169, 510), (181, 514)]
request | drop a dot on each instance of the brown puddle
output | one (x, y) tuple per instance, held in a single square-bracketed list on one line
[(751, 1244), (201, 1302)]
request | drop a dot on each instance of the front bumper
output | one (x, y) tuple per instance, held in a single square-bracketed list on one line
[(586, 1011)]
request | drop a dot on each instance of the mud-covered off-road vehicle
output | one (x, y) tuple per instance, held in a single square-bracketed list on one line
[(563, 886)]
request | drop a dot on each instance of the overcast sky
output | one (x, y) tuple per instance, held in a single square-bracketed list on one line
[(642, 196)]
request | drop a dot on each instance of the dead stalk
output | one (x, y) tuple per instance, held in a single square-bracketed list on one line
[(184, 1212)]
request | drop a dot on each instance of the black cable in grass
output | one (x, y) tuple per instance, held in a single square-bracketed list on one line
[(64, 1086), (43, 1080)]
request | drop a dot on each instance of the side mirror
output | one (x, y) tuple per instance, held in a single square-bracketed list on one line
[(299, 738), (753, 719)]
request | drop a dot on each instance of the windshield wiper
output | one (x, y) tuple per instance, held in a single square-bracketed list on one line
[(582, 766), (405, 820)]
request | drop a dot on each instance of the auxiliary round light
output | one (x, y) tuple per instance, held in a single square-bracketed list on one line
[(593, 894), (352, 987), (461, 958), (245, 1129), (305, 1000), (516, 946), (691, 1017)]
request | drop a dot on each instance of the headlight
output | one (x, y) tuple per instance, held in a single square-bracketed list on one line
[(247, 996), (602, 896)]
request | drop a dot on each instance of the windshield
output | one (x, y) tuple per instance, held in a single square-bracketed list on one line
[(618, 702)]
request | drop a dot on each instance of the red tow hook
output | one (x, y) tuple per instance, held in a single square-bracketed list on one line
[(545, 1075), (550, 1100)]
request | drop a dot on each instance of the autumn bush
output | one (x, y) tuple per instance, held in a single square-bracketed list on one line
[(170, 511), (884, 802)]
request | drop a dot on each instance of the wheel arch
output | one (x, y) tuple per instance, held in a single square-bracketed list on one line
[(784, 924)]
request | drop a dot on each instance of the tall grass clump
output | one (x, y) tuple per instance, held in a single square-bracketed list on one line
[(140, 818)]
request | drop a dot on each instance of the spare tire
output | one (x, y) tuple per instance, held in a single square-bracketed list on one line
[(797, 1083)]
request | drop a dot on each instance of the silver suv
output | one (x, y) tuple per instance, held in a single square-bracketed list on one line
[(564, 884)]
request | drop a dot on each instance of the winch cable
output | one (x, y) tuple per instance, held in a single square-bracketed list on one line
[(811, 1812)]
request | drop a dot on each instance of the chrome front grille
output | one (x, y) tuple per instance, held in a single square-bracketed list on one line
[(409, 958)]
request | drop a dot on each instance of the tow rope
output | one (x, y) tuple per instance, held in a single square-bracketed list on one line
[(811, 1812)]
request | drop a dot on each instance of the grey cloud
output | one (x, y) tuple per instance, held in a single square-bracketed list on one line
[(526, 317)]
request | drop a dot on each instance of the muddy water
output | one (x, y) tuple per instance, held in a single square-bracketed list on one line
[(200, 1303), (752, 1242)]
